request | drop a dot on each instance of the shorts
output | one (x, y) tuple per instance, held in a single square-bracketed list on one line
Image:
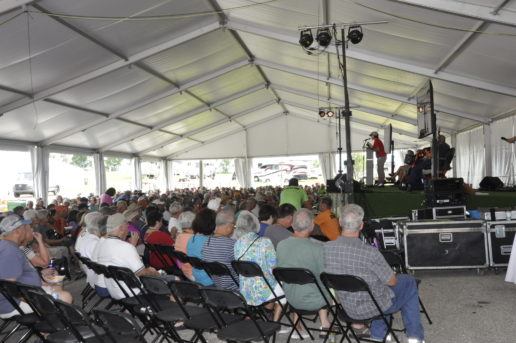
[(23, 306)]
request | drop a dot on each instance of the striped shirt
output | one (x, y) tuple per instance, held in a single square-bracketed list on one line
[(221, 249)]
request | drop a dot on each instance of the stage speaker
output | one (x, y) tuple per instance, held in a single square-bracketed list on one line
[(491, 183)]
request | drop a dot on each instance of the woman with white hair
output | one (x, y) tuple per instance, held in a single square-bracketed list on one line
[(88, 239), (185, 233), (251, 247)]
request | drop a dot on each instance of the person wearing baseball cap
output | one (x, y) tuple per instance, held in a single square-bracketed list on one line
[(381, 156), (115, 251), (14, 266)]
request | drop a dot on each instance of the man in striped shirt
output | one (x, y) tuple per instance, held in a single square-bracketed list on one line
[(220, 247)]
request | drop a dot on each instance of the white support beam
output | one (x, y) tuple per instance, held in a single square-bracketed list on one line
[(375, 58), (214, 139), (111, 67), (181, 117), (359, 88), (206, 127), (340, 103), (353, 119), (10, 5), (152, 99), (469, 10)]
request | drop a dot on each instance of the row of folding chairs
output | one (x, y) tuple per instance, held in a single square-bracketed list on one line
[(247, 269), (55, 321)]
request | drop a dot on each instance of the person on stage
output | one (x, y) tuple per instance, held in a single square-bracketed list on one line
[(510, 140), (381, 156)]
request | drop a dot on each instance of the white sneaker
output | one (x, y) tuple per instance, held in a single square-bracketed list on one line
[(415, 340), (303, 334), (389, 339), (284, 329)]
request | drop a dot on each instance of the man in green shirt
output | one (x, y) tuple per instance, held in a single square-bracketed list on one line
[(299, 251), (293, 194)]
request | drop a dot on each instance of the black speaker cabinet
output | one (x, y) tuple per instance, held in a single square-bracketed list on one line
[(446, 245), (500, 237)]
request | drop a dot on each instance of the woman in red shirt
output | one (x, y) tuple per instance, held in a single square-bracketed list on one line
[(156, 236)]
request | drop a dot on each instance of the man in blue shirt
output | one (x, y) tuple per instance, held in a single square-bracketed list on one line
[(14, 266)]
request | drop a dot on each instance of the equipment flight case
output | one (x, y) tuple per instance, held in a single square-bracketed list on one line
[(500, 238), (446, 244)]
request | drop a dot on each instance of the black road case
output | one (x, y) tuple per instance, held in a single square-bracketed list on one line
[(445, 245), (500, 240)]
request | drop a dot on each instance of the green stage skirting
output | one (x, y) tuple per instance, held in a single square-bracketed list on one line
[(392, 202)]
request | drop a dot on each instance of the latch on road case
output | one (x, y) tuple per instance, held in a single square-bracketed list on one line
[(500, 231), (445, 237)]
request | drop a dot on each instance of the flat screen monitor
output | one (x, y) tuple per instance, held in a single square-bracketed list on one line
[(425, 109)]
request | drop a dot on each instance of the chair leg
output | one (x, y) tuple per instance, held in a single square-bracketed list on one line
[(12, 332), (26, 336), (423, 309)]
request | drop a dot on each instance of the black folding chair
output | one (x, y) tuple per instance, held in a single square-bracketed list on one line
[(11, 292), (163, 253), (101, 270), (396, 262), (301, 276), (120, 327), (73, 327), (141, 304), (171, 314), (246, 330), (252, 269), (218, 269), (351, 283), (88, 292), (201, 319)]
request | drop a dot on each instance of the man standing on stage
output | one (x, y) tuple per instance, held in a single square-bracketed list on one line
[(381, 156)]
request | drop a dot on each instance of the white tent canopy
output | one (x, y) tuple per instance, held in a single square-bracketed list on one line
[(175, 79)]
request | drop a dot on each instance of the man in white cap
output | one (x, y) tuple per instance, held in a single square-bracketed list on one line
[(14, 265), (115, 251), (381, 156)]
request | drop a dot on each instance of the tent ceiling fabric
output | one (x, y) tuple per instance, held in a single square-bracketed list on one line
[(201, 83)]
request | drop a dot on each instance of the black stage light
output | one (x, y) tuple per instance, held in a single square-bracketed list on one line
[(322, 113), (330, 113), (355, 34), (324, 37), (306, 38)]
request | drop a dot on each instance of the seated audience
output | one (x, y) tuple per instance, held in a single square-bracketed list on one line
[(185, 233), (299, 251), (219, 247), (326, 220), (350, 255), (203, 226), (115, 251), (267, 217), (251, 247), (157, 235), (281, 230)]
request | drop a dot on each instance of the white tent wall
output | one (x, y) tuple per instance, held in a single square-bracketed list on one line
[(504, 154), (470, 156)]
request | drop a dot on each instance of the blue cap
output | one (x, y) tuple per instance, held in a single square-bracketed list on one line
[(12, 222)]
